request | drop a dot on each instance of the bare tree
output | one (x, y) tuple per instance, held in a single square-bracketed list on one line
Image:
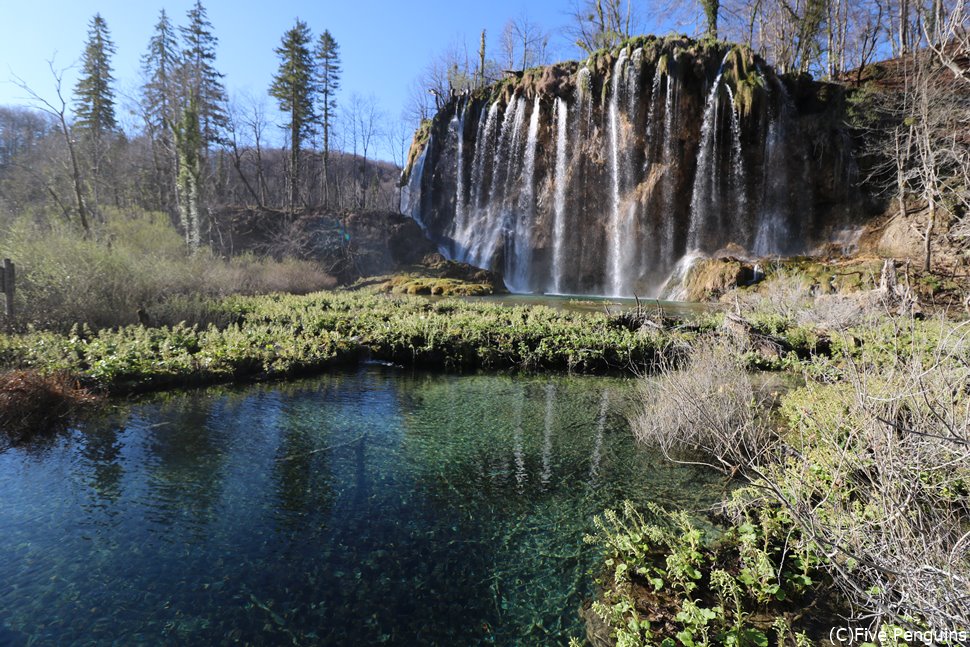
[(398, 138), (524, 43), (59, 112), (601, 24), (950, 39), (366, 118)]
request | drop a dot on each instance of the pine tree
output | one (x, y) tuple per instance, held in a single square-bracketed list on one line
[(200, 78), (328, 82), (294, 89), (160, 104), (94, 107), (93, 96), (159, 68)]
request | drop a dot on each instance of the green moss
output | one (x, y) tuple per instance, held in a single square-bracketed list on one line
[(420, 140), (435, 286)]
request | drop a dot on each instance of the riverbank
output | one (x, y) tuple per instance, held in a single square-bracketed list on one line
[(853, 505), (245, 338)]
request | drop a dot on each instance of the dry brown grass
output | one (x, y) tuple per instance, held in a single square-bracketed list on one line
[(32, 403), (133, 263)]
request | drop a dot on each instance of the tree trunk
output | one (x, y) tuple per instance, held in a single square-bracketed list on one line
[(928, 236), (82, 211)]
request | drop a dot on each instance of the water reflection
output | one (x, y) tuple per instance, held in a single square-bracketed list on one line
[(594, 462), (355, 508)]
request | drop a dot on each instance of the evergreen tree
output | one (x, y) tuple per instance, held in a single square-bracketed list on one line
[(294, 89), (160, 105), (200, 78), (328, 82), (93, 96), (159, 68), (94, 107)]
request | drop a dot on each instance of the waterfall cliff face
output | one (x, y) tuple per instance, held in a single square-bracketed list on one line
[(600, 177)]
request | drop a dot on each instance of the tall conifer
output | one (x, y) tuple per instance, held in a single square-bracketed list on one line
[(293, 88)]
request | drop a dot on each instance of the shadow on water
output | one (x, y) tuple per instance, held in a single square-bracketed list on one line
[(358, 508)]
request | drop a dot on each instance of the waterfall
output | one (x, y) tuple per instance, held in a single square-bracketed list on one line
[(652, 129), (584, 99), (613, 227), (668, 244), (705, 180), (468, 231), (491, 225), (457, 126), (774, 229), (411, 196), (738, 195), (673, 287), (519, 253), (582, 179), (484, 148), (620, 230), (561, 111)]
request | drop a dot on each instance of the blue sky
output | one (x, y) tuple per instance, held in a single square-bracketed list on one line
[(384, 45)]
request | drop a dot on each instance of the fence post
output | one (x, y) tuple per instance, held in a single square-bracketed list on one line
[(9, 277)]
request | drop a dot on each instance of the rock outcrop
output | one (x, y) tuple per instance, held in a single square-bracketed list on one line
[(599, 177)]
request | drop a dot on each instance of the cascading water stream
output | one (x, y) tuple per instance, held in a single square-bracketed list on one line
[(493, 228), (584, 99), (738, 194), (668, 245), (705, 179), (468, 233), (458, 127), (621, 230), (561, 113), (614, 267), (519, 251), (411, 199)]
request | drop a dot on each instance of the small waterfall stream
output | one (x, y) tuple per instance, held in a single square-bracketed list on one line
[(705, 179), (614, 233), (518, 259), (775, 234), (559, 193), (668, 247)]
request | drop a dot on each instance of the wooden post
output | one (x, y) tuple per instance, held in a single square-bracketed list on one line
[(9, 278)]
